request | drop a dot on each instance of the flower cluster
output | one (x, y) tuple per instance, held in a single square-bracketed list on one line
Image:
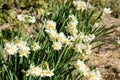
[(94, 75), (10, 48), (19, 46), (80, 65), (71, 26), (85, 38), (72, 29), (80, 5), (26, 18), (83, 45), (40, 71), (89, 75), (82, 48), (106, 11), (58, 39)]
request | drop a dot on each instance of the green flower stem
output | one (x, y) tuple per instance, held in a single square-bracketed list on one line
[(63, 24), (33, 56), (15, 62), (60, 57)]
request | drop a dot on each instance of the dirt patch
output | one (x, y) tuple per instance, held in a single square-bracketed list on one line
[(108, 61), (107, 57)]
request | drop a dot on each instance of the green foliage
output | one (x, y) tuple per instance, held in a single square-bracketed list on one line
[(98, 3)]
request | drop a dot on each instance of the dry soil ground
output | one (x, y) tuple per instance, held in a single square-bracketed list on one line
[(107, 57)]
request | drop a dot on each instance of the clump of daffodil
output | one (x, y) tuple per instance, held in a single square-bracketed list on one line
[(106, 11), (89, 38), (58, 39), (80, 5), (83, 45), (52, 34), (24, 51), (26, 18), (80, 66), (46, 70), (50, 29), (19, 43), (67, 41), (10, 48), (79, 47), (88, 49), (61, 37), (86, 72), (94, 75), (85, 38), (71, 26), (42, 70), (83, 48), (33, 70), (17, 46)]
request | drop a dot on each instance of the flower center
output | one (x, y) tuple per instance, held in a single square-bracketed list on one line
[(50, 26)]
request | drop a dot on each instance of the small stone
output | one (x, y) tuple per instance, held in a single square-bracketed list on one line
[(100, 50)]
